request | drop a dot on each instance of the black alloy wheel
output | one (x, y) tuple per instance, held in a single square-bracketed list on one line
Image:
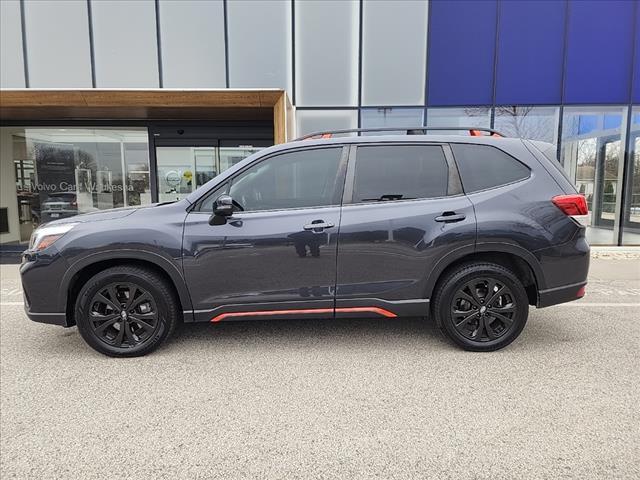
[(126, 311), (483, 309), (481, 306), (123, 315)]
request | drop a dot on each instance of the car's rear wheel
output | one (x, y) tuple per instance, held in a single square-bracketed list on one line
[(481, 306), (126, 311)]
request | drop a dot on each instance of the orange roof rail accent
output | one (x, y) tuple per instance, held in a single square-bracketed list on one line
[(478, 133), (315, 137)]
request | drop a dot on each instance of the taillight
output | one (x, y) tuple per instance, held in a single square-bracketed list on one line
[(572, 205)]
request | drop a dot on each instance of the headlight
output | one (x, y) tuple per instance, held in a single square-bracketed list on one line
[(47, 235)]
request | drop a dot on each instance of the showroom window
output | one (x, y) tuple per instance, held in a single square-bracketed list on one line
[(391, 117), (309, 121), (62, 172), (458, 117), (631, 219), (534, 123), (591, 154)]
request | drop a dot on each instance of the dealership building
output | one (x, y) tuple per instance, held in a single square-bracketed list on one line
[(108, 103)]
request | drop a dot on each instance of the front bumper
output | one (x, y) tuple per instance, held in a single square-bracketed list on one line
[(41, 275)]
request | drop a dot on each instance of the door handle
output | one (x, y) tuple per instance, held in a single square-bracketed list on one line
[(450, 217), (318, 225)]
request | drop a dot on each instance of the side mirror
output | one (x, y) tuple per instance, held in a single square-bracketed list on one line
[(222, 209)]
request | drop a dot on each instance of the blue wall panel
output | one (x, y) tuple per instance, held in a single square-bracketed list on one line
[(530, 52), (599, 51), (461, 52)]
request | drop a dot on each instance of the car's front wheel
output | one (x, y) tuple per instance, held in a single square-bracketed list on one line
[(126, 311), (481, 306)]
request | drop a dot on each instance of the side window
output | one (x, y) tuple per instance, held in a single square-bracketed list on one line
[(483, 166), (307, 178), (400, 172)]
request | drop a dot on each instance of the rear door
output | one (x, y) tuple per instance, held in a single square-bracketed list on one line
[(403, 210)]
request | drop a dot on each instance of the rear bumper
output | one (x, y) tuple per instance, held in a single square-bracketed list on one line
[(50, 318), (563, 294)]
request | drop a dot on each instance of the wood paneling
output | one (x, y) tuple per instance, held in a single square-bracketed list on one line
[(24, 98), (157, 104), (279, 121)]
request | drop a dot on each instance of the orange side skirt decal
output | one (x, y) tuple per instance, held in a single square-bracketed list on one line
[(378, 310)]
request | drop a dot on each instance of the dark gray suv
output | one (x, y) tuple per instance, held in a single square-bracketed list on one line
[(468, 230)]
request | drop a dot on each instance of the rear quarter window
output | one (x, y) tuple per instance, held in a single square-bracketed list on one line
[(550, 152), (483, 166)]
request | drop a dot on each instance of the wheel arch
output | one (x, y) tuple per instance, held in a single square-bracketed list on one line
[(82, 270), (516, 259)]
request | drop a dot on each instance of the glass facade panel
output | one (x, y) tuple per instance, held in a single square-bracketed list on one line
[(394, 52), (458, 117), (193, 52), (310, 121), (391, 117), (534, 123), (125, 44), (11, 60), (591, 154), (62, 172), (631, 218), (326, 37), (183, 169), (260, 44), (234, 153), (58, 57)]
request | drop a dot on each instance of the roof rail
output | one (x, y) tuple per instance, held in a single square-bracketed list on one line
[(419, 130)]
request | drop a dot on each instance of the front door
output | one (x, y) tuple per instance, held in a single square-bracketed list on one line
[(405, 212), (276, 255)]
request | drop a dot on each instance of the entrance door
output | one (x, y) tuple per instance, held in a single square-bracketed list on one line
[(182, 169), (276, 255), (606, 182), (183, 165)]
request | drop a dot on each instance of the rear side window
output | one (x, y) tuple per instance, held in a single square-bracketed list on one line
[(482, 167), (401, 172)]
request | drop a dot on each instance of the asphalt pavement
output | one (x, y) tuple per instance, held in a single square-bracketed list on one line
[(331, 399)]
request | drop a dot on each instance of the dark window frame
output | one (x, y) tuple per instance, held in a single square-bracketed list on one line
[(228, 182), (454, 184)]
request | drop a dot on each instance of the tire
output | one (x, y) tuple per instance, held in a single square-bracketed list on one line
[(473, 317), (151, 315)]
